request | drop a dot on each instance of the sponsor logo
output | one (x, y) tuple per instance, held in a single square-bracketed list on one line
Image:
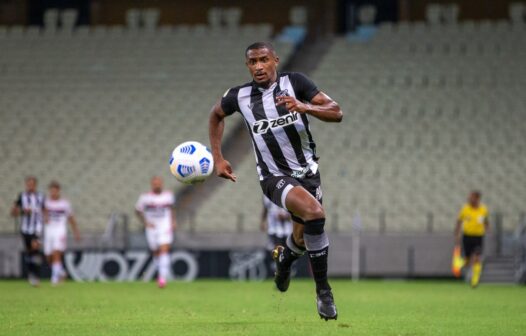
[(262, 126), (282, 93), (247, 266), (318, 254), (205, 165), (300, 173), (280, 184), (319, 193)]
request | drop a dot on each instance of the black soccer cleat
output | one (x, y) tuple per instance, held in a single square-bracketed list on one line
[(282, 274), (326, 306)]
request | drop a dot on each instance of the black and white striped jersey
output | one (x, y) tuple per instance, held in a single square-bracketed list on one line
[(282, 140), (31, 223)]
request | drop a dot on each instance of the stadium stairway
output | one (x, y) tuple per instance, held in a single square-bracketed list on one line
[(498, 270)]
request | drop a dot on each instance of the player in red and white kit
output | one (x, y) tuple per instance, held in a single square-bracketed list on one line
[(155, 210), (57, 213)]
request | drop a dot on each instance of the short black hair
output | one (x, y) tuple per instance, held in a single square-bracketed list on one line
[(260, 45), (476, 193), (54, 184), (31, 178)]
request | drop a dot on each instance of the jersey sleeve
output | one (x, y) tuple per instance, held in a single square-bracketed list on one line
[(139, 206), (229, 102), (304, 87), (172, 199), (461, 213)]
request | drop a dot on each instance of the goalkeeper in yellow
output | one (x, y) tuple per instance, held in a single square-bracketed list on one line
[(472, 225)]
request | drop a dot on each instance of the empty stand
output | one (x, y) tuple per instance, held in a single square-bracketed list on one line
[(101, 108), (430, 112)]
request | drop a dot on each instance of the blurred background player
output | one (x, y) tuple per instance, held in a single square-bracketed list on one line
[(155, 210), (28, 207), (276, 222), (472, 224), (57, 213)]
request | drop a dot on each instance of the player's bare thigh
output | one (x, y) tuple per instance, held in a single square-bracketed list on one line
[(303, 205)]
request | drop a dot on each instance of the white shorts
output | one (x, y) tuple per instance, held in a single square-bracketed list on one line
[(159, 236), (54, 240)]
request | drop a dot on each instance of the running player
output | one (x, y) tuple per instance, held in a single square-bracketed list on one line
[(276, 222), (276, 108), (155, 210), (28, 207), (57, 213), (472, 224)]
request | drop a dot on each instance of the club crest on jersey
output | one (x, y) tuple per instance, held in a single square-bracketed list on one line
[(262, 126)]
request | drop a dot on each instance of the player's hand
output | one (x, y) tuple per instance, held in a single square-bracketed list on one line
[(292, 104), (27, 211), (224, 170), (77, 237), (174, 226), (149, 225)]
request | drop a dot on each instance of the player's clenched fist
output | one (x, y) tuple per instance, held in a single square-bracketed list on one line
[(292, 104)]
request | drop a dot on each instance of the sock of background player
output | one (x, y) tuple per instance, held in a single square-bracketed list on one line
[(156, 262), (56, 272), (291, 252), (164, 265), (476, 271), (317, 243)]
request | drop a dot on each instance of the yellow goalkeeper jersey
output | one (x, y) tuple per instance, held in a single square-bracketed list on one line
[(473, 219)]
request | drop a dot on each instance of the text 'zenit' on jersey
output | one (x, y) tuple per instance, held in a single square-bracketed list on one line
[(283, 142)]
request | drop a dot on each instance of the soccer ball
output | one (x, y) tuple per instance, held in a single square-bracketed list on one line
[(191, 162)]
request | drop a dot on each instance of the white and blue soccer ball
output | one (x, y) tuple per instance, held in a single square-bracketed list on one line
[(191, 162)]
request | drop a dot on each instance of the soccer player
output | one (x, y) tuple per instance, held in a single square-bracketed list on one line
[(28, 207), (472, 224), (276, 222), (156, 212), (276, 108), (57, 213)]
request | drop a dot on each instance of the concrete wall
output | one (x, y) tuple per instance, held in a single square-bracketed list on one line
[(401, 255)]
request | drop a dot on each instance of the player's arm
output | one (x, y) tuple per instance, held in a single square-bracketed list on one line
[(458, 227), (17, 205), (74, 227), (216, 126), (321, 106), (486, 225), (140, 215), (174, 219), (263, 222)]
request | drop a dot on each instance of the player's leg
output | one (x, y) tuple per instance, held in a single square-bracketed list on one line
[(58, 246), (57, 271), (32, 258), (305, 206), (477, 262), (164, 264), (286, 254)]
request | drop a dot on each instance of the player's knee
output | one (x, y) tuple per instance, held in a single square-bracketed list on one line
[(313, 211)]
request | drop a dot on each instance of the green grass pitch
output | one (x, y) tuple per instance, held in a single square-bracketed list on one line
[(219, 307)]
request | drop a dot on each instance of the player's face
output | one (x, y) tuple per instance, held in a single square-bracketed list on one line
[(54, 193), (31, 185), (157, 185), (262, 64), (474, 200)]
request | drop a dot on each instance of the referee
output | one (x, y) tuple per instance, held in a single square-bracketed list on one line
[(28, 207)]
